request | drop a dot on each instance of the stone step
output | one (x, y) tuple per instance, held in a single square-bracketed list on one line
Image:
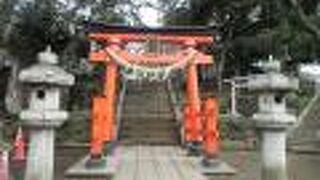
[(156, 128), (148, 93), (151, 110), (146, 117), (154, 95), (162, 127), (144, 102), (147, 133), (169, 136), (142, 105), (147, 108), (149, 141), (142, 124), (146, 85), (160, 132), (157, 92)]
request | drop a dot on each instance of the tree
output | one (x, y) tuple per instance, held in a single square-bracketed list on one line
[(7, 21), (309, 20), (250, 29), (232, 19), (27, 27)]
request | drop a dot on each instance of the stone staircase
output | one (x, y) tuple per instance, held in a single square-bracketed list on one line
[(147, 118)]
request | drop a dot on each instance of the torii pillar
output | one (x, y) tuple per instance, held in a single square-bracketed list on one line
[(103, 111), (193, 125)]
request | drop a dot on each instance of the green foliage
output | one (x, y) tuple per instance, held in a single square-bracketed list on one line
[(36, 28), (41, 22)]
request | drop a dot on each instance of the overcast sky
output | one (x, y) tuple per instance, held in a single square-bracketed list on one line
[(150, 16)]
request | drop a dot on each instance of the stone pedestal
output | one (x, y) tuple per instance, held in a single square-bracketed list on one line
[(43, 114), (273, 155), (40, 158), (41, 154), (4, 164)]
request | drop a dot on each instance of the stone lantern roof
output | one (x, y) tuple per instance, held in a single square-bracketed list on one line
[(272, 80), (46, 71)]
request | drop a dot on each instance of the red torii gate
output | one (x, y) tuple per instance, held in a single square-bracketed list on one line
[(112, 39)]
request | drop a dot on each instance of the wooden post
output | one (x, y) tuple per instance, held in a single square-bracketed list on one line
[(233, 98)]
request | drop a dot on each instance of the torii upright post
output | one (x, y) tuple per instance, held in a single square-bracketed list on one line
[(110, 88), (103, 111), (193, 131)]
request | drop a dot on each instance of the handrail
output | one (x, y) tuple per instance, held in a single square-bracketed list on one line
[(174, 102), (119, 107), (176, 106)]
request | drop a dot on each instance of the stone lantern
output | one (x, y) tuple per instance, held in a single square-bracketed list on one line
[(272, 120), (44, 80)]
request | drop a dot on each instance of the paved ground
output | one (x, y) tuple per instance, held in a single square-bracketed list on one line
[(301, 166), (156, 163)]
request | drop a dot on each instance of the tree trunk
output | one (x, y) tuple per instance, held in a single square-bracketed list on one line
[(4, 74), (13, 94)]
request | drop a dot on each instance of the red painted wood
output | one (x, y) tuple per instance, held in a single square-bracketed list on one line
[(150, 58)]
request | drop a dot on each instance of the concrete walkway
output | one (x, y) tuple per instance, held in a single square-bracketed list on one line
[(156, 163)]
